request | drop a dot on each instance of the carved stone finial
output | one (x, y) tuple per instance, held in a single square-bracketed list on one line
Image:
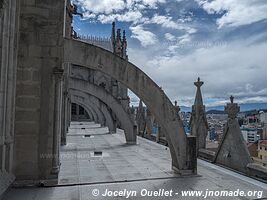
[(113, 37), (124, 36), (198, 83), (124, 46), (74, 10), (198, 98), (118, 34), (232, 108), (232, 99)]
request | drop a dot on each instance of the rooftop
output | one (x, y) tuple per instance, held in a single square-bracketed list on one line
[(95, 159), (263, 143)]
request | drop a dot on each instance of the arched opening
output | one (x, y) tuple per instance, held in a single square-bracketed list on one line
[(90, 102), (78, 113), (81, 88), (90, 56)]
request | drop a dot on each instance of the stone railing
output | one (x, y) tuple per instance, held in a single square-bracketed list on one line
[(102, 42)]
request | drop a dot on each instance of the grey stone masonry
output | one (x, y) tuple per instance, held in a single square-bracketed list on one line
[(90, 56), (8, 65), (198, 122), (140, 118), (232, 151), (38, 93)]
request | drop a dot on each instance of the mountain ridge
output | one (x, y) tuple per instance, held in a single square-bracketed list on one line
[(243, 107)]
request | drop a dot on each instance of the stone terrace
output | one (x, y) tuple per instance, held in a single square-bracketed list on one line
[(146, 165)]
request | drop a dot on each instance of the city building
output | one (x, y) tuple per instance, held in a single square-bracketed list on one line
[(262, 152), (250, 135), (212, 135), (263, 118)]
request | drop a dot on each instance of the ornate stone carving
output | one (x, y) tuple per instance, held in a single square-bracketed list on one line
[(3, 4), (232, 109)]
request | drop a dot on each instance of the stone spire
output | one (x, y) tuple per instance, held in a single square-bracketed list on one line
[(124, 46), (198, 99), (118, 50), (233, 151), (113, 37), (198, 122)]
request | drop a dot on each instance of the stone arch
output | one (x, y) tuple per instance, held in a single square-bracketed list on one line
[(87, 109), (100, 118), (87, 55), (89, 100), (100, 93), (94, 115), (89, 112)]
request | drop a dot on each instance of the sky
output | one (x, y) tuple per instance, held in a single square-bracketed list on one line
[(224, 42)]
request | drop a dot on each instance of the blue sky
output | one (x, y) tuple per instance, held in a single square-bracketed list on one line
[(175, 41)]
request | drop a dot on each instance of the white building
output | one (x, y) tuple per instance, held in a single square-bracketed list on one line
[(263, 118), (250, 135)]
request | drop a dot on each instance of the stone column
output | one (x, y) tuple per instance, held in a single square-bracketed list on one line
[(64, 118), (77, 112), (149, 124), (140, 118), (69, 112), (58, 74), (8, 66), (158, 134)]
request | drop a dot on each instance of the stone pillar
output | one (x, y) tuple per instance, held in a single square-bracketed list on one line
[(8, 67), (149, 124), (140, 118), (77, 112), (64, 118), (40, 50), (157, 134), (69, 112), (58, 74), (64, 127), (191, 152)]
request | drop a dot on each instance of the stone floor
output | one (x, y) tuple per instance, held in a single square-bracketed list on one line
[(132, 168)]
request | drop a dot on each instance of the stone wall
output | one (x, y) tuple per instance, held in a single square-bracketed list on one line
[(8, 62), (38, 88)]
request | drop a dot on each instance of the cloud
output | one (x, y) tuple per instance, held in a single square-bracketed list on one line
[(170, 37), (184, 39), (136, 13), (103, 6), (235, 69), (145, 37), (168, 22), (181, 42), (153, 3), (130, 16), (165, 21), (121, 10), (236, 12)]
